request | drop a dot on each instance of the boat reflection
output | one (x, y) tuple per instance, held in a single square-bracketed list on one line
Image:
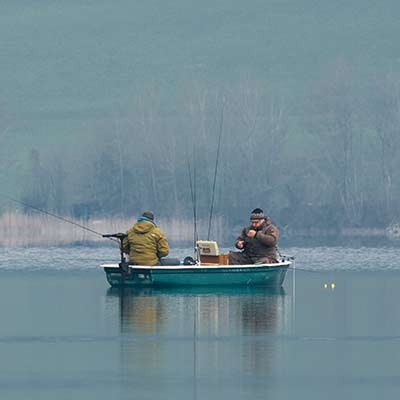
[(221, 310), (198, 331)]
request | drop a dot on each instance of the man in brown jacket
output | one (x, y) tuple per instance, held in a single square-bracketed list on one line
[(145, 242), (258, 241)]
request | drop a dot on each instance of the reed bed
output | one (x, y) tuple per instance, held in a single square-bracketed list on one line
[(23, 230)]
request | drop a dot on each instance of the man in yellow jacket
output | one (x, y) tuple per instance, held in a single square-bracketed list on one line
[(145, 242)]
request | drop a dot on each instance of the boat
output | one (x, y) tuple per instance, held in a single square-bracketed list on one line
[(271, 275), (210, 269)]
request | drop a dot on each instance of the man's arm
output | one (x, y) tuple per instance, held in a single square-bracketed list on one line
[(162, 246), (125, 245), (269, 237), (239, 244)]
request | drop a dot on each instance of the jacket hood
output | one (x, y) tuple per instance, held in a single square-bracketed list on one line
[(143, 227)]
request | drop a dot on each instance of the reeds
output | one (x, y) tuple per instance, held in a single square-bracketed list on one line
[(20, 230)]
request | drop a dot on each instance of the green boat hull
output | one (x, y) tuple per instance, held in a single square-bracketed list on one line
[(255, 275)]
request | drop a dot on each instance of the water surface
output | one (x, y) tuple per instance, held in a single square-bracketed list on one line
[(65, 334)]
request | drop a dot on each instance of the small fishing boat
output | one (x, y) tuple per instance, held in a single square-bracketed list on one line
[(211, 269), (178, 275)]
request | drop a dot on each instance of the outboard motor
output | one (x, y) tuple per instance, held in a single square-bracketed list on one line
[(120, 236)]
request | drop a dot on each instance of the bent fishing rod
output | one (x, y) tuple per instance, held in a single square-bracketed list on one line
[(113, 237)]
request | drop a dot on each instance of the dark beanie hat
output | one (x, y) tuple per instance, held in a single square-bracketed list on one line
[(148, 214), (257, 213)]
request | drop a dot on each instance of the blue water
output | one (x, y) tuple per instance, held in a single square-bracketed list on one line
[(65, 334)]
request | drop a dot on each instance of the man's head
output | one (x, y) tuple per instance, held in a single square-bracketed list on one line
[(148, 214), (257, 217)]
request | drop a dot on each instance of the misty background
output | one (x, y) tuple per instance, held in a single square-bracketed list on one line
[(111, 108)]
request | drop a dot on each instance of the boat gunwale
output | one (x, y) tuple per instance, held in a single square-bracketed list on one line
[(282, 264)]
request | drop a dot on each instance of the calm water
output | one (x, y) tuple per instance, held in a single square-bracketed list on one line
[(65, 334)]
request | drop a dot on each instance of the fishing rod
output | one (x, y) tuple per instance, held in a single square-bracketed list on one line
[(59, 217), (216, 166), (115, 237), (192, 183)]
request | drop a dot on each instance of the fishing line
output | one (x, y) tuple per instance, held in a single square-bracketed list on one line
[(307, 270), (58, 217)]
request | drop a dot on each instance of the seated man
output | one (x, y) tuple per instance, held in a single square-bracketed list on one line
[(145, 242), (258, 241)]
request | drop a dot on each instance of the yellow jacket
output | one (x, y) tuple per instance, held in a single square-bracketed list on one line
[(145, 244)]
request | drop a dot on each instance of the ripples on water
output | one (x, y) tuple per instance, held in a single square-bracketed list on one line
[(310, 258)]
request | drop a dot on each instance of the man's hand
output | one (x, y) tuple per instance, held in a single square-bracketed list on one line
[(240, 244), (251, 233)]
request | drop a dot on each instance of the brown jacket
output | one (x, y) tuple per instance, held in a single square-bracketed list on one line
[(145, 244), (261, 247)]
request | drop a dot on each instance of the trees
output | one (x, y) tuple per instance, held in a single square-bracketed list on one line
[(37, 187), (332, 163), (384, 114), (340, 152)]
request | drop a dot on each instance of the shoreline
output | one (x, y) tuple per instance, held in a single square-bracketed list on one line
[(27, 230)]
